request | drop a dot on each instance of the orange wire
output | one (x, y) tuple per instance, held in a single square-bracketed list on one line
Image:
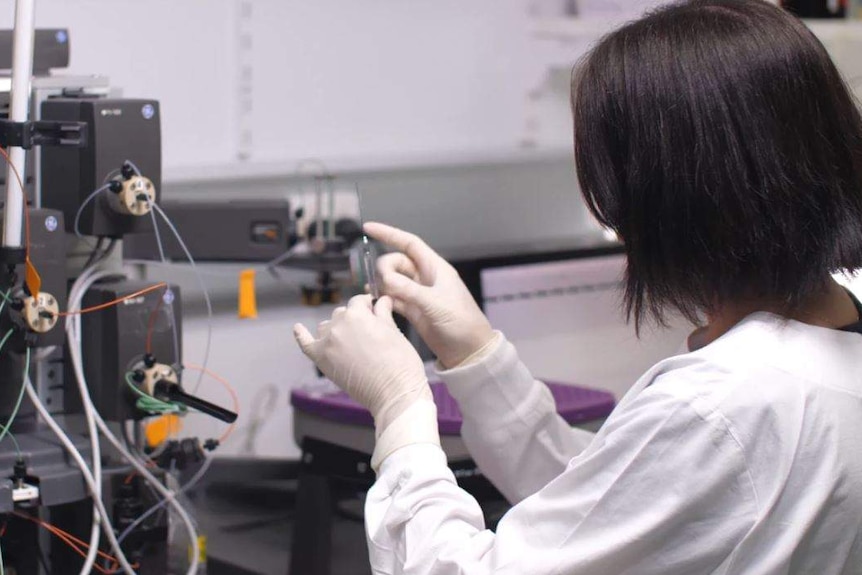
[(26, 207), (74, 543), (149, 463), (229, 389), (113, 302), (54, 529)]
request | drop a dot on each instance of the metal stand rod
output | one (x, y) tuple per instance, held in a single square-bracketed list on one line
[(22, 71)]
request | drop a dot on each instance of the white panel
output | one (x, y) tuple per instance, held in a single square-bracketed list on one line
[(261, 360), (565, 320), (843, 40), (179, 52), (386, 77)]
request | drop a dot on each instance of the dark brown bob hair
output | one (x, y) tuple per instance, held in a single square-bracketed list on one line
[(719, 141)]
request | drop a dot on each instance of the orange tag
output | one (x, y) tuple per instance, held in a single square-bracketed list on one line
[(32, 279), (247, 296), (162, 428)]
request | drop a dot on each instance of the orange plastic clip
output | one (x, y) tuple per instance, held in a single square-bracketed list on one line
[(247, 295), (32, 279), (162, 428)]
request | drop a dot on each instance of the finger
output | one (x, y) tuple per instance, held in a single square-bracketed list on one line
[(323, 328), (397, 263), (304, 339), (383, 310), (359, 302), (417, 250), (402, 288), (399, 307)]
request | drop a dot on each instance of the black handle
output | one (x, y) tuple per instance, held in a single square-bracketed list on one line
[(166, 390)]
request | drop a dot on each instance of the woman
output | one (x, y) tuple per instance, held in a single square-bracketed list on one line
[(720, 143)]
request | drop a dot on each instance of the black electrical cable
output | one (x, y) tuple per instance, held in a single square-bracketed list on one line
[(112, 245), (95, 253), (99, 255)]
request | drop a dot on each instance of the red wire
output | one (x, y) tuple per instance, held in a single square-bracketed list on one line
[(230, 390), (149, 463), (74, 543), (151, 324)]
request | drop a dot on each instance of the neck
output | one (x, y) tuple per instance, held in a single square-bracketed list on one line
[(830, 308)]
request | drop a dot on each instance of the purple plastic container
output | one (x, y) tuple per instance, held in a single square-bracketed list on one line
[(575, 404)]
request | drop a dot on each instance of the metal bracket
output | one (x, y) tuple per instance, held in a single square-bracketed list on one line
[(28, 134)]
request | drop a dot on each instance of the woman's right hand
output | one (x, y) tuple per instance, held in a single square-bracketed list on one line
[(427, 290)]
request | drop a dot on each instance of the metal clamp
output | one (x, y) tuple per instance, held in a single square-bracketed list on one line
[(28, 134)]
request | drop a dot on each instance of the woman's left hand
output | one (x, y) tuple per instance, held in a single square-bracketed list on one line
[(362, 351)]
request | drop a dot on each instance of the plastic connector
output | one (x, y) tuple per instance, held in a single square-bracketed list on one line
[(149, 372), (19, 471), (128, 171), (135, 198), (24, 490), (39, 314), (180, 454)]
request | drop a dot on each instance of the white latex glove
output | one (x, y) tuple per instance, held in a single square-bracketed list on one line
[(429, 293), (362, 351)]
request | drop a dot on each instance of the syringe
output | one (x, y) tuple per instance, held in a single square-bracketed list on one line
[(367, 255)]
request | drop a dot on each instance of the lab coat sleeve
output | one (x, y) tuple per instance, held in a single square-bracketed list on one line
[(511, 423), (663, 490)]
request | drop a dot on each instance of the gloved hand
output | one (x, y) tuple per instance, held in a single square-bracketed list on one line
[(362, 351), (429, 293)]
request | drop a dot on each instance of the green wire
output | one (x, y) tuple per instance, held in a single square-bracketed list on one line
[(149, 403), (6, 298), (6, 338), (4, 429), (26, 377)]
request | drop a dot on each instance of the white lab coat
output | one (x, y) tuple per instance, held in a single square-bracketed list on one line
[(742, 457)]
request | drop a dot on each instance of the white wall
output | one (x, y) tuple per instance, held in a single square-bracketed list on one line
[(178, 51), (279, 80)]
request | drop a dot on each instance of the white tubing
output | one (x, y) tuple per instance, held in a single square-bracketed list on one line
[(22, 70), (204, 289), (76, 293), (85, 471)]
